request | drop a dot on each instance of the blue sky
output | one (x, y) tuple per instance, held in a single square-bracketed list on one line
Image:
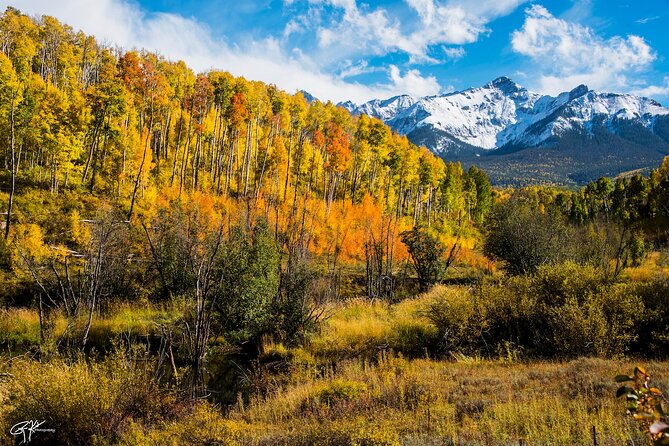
[(358, 50)]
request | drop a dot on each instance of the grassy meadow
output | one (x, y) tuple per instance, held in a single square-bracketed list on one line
[(373, 374)]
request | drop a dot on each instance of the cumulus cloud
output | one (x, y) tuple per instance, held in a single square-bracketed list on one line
[(363, 31), (569, 54), (413, 83), (124, 23)]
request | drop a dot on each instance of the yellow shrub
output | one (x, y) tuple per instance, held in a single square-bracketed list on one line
[(84, 402), (339, 390), (203, 426)]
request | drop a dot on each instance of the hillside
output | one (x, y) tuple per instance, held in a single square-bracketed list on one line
[(91, 126)]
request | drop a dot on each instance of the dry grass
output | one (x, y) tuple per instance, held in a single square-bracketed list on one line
[(655, 265), (436, 402), (362, 328), (349, 386), (382, 398), (20, 327)]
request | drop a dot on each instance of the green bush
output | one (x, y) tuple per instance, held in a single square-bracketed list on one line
[(555, 284), (426, 252), (564, 310), (526, 237), (412, 336)]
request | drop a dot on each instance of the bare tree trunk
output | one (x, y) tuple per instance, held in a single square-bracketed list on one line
[(231, 157), (246, 163), (94, 144), (141, 166), (196, 162), (215, 135), (264, 163), (176, 149), (13, 167), (186, 152), (290, 148), (300, 148), (219, 161)]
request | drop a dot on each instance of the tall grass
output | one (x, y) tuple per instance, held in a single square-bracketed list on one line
[(20, 327), (399, 401), (363, 328), (375, 374)]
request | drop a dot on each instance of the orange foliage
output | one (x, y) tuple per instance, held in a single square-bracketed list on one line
[(338, 148)]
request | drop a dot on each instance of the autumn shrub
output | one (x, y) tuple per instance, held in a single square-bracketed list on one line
[(203, 425), (585, 314), (564, 310), (508, 313), (340, 390), (646, 404), (85, 402), (653, 327), (554, 284), (412, 333), (455, 316), (577, 329)]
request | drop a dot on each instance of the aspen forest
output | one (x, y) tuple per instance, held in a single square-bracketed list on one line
[(198, 258)]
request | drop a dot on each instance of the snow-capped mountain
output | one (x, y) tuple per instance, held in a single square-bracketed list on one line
[(504, 115), (388, 109)]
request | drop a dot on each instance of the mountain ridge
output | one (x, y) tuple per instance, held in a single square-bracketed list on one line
[(502, 117)]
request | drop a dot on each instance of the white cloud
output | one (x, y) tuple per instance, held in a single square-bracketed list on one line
[(413, 83), (292, 27), (569, 54), (353, 29), (454, 53), (350, 69), (653, 90), (645, 20), (488, 9), (124, 23)]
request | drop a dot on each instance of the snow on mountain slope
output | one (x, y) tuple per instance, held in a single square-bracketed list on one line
[(387, 109), (502, 113)]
